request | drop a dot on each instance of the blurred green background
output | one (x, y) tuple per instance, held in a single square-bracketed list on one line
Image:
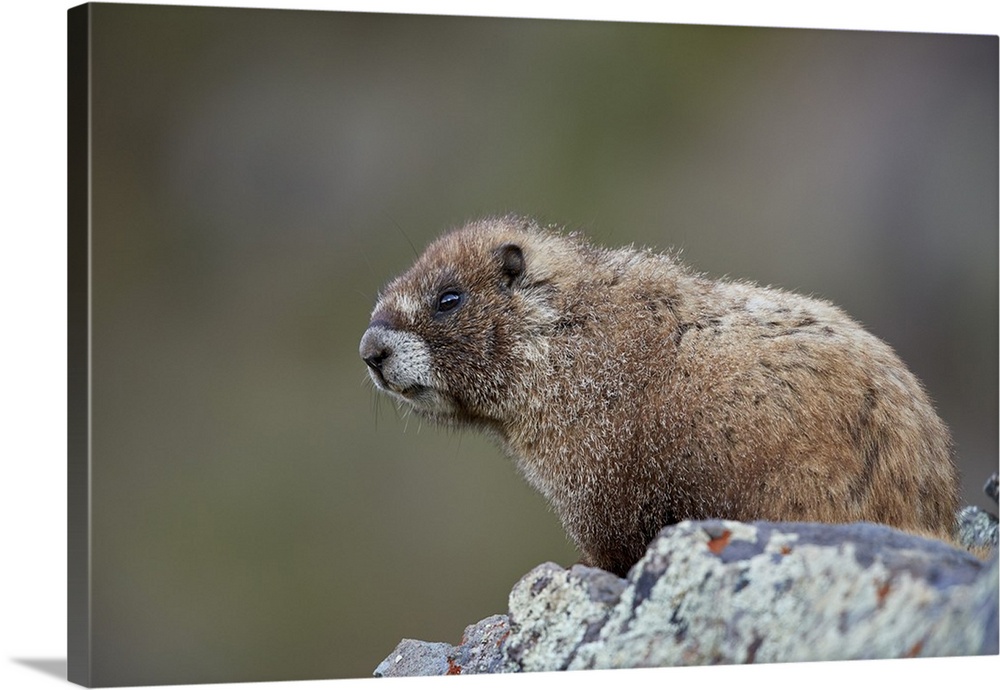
[(258, 175)]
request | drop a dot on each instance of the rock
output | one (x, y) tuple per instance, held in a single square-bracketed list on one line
[(712, 592), (977, 528), (482, 648), (555, 611), (727, 592), (481, 651), (416, 658), (992, 487)]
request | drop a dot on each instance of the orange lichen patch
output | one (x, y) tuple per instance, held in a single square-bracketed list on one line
[(882, 592), (453, 668), (717, 544), (785, 550), (915, 649)]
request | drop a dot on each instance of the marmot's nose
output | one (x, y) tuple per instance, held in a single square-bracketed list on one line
[(374, 350), (375, 359)]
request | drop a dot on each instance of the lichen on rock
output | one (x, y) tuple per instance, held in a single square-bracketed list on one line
[(977, 528), (709, 592)]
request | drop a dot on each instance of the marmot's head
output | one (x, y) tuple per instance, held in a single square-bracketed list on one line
[(455, 335)]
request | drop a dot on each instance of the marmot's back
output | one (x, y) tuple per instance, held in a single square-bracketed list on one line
[(634, 393)]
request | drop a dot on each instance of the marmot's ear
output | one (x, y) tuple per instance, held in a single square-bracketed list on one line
[(511, 263)]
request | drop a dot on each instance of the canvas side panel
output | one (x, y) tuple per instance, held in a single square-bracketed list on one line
[(78, 347)]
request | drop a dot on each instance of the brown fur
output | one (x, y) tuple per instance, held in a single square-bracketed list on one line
[(634, 393)]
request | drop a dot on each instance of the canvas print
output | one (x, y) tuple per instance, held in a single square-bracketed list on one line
[(437, 345)]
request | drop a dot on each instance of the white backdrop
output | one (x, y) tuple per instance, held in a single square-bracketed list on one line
[(33, 284)]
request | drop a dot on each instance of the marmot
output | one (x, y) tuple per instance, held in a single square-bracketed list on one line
[(633, 392)]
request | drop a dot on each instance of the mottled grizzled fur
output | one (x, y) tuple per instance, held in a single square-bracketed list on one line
[(634, 393)]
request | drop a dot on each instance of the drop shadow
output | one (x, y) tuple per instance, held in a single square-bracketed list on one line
[(52, 667)]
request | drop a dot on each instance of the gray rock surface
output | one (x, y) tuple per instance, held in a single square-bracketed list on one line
[(416, 658), (481, 651), (726, 592), (977, 528), (714, 592)]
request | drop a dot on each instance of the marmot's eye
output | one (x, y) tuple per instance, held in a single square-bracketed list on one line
[(448, 301)]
